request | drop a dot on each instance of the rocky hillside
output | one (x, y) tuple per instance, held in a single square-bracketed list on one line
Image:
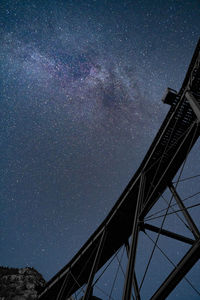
[(20, 284)]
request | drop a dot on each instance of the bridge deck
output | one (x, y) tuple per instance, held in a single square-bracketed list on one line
[(169, 149)]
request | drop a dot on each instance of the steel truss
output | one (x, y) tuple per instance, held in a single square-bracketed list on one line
[(167, 154)]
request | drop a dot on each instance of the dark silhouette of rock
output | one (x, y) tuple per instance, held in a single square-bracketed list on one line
[(20, 284)]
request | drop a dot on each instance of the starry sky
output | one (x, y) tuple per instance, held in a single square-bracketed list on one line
[(81, 85)]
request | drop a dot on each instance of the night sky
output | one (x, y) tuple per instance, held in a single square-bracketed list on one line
[(81, 84)]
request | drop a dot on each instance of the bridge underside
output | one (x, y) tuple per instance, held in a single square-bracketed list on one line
[(174, 140)]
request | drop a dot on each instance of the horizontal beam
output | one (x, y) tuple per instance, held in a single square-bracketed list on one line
[(168, 233), (184, 266)]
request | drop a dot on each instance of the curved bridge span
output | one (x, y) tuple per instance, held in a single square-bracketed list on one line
[(167, 153)]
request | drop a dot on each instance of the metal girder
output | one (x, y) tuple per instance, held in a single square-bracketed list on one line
[(148, 205), (94, 267), (168, 233), (179, 272), (60, 294), (135, 283), (186, 214), (194, 104), (132, 253)]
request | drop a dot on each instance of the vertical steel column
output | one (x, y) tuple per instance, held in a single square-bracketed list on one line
[(132, 253), (94, 266), (184, 266), (135, 284), (187, 216)]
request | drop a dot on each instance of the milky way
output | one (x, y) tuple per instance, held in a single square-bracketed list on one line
[(84, 84), (81, 84)]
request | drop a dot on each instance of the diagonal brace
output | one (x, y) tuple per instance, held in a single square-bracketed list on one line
[(168, 234), (186, 214), (184, 266), (88, 291)]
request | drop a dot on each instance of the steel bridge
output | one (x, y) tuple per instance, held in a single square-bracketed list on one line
[(126, 220)]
